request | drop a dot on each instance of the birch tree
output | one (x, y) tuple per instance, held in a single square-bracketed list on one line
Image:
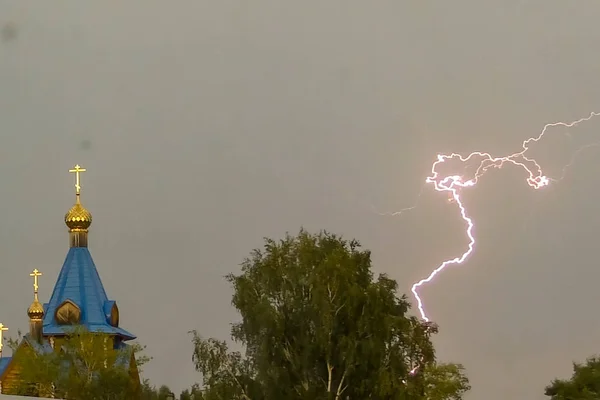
[(83, 367), (317, 324)]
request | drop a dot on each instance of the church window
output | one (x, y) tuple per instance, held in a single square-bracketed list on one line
[(114, 315), (68, 313)]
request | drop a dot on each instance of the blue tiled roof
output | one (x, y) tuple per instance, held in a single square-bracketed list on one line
[(80, 283), (4, 363)]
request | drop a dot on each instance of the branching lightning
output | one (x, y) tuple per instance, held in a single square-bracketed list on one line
[(452, 184)]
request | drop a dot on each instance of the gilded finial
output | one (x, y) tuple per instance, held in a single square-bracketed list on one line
[(78, 219), (2, 330), (77, 169), (36, 309), (35, 274)]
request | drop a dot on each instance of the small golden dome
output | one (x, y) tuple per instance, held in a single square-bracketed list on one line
[(78, 218), (35, 310)]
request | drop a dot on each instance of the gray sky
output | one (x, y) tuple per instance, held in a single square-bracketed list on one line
[(208, 125)]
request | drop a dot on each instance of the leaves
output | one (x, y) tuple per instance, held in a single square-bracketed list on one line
[(149, 392), (227, 375), (141, 358), (316, 324), (194, 394), (82, 365), (583, 385), (445, 382)]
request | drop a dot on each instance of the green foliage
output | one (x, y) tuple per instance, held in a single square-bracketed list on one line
[(583, 385), (194, 394), (81, 367), (150, 392), (317, 325), (141, 358), (445, 382), (227, 375), (164, 392)]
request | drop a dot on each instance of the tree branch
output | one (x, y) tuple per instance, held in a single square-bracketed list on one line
[(230, 371), (329, 376), (341, 388)]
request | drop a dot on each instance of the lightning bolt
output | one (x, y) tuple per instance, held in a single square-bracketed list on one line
[(452, 184)]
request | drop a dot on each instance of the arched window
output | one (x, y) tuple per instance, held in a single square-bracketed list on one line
[(68, 313), (114, 315)]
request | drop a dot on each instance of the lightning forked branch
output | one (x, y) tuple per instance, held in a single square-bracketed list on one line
[(452, 183)]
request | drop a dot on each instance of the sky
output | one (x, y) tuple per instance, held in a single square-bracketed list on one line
[(206, 126)]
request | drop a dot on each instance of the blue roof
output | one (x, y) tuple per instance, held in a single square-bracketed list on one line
[(4, 361), (79, 282)]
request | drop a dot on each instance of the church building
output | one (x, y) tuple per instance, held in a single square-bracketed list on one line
[(78, 300)]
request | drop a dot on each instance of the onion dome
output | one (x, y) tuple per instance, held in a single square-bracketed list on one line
[(35, 310), (78, 218)]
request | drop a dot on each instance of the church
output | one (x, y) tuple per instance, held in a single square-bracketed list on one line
[(78, 299)]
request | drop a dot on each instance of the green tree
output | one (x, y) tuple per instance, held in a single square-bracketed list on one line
[(164, 392), (316, 324), (445, 382), (226, 375), (583, 385), (83, 367), (149, 392), (195, 393)]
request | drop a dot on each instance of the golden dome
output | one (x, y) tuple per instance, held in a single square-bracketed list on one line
[(35, 310), (78, 218)]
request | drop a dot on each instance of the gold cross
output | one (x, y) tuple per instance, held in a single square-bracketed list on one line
[(2, 330), (77, 169), (35, 275)]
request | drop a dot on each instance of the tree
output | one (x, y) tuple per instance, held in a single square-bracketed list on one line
[(445, 382), (149, 392), (583, 385), (164, 392), (81, 367), (317, 325), (194, 394), (226, 375)]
